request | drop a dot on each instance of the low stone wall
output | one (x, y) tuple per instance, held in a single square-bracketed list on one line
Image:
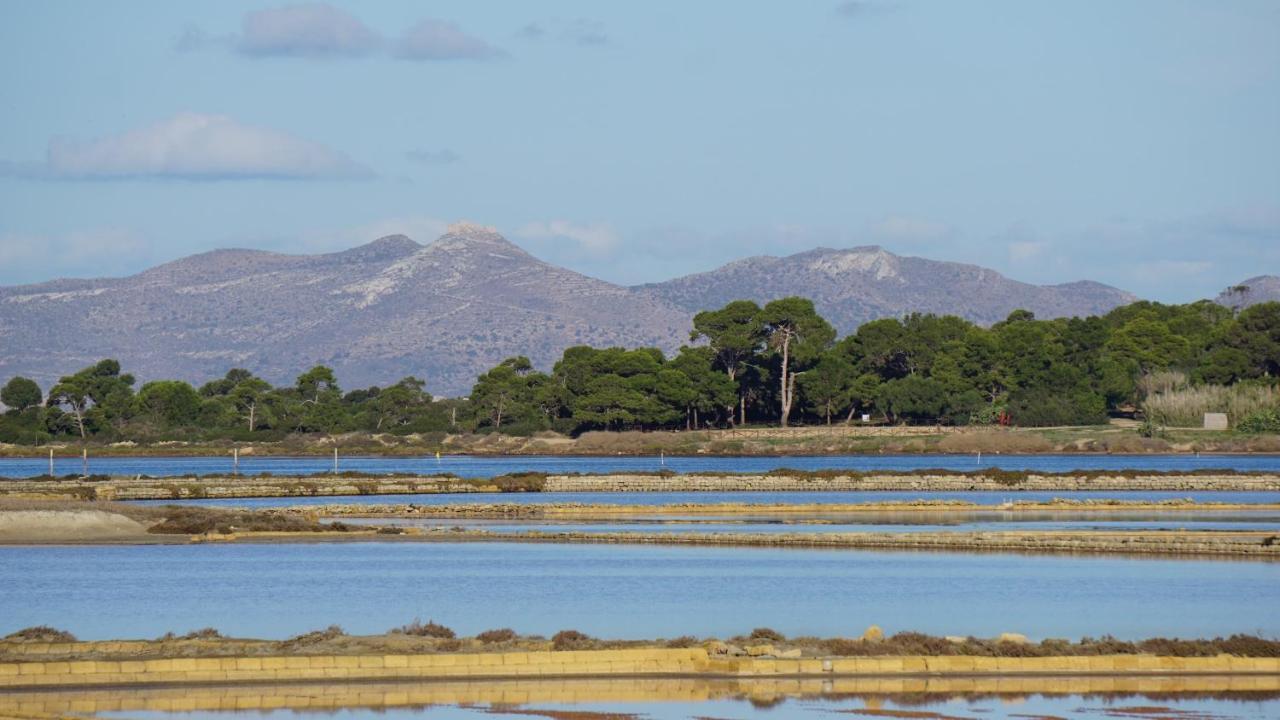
[(125, 488), (587, 663), (1244, 544), (890, 482)]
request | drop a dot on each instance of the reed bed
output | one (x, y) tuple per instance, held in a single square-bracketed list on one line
[(1186, 407)]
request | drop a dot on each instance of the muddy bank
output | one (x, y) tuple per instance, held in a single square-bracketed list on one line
[(146, 488)]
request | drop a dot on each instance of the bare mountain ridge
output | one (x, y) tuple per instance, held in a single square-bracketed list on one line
[(1260, 289), (449, 310), (850, 287)]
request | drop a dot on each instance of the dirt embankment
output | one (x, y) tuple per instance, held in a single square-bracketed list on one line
[(183, 488), (52, 526)]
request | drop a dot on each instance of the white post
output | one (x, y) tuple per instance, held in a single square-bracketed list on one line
[(335, 461), (84, 462), (50, 462), (235, 461)]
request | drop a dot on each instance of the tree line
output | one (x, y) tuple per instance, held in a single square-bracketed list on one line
[(777, 364)]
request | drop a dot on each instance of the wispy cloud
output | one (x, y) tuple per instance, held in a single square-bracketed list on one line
[(433, 157), (310, 30), (322, 31), (580, 31), (863, 8), (442, 40), (192, 146), (81, 253), (908, 229), (593, 239)]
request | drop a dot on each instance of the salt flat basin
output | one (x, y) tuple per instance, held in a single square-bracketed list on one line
[(1202, 698), (280, 590), (715, 498), (489, 466)]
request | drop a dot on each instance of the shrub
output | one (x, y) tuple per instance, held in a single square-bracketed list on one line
[(431, 630), (1261, 421), (764, 633), (332, 632), (684, 641), (571, 640), (41, 633), (497, 636), (520, 482)]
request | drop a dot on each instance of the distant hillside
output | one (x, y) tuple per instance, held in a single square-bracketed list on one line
[(1260, 289), (449, 310), (444, 312), (853, 286)]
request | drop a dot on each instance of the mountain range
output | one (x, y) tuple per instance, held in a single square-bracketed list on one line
[(449, 310)]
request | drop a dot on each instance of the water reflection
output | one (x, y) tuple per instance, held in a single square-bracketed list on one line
[(1205, 697), (488, 466)]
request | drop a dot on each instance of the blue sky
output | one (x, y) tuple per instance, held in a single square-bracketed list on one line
[(1135, 143)]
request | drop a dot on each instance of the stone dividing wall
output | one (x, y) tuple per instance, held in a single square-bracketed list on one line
[(586, 663), (891, 482), (126, 488)]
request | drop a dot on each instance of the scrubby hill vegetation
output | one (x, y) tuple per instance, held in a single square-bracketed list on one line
[(777, 364)]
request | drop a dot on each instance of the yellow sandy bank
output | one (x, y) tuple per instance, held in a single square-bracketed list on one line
[(337, 695), (588, 663)]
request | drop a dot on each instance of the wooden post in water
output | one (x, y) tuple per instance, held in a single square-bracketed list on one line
[(235, 461), (84, 462), (335, 461), (50, 462)]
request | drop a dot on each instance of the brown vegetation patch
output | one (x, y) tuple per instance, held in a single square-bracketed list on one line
[(499, 635), (431, 630), (560, 714), (921, 714), (40, 633), (571, 640)]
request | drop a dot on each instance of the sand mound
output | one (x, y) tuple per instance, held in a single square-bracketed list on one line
[(27, 526)]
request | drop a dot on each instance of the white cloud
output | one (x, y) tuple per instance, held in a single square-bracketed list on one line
[(1027, 250), (196, 146), (442, 40), (310, 30), (594, 239)]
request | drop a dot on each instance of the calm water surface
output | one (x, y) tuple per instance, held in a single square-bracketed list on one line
[(277, 591), (1241, 706), (748, 498), (472, 466), (864, 522)]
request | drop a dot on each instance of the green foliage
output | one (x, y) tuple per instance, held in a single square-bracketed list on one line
[(768, 365), (20, 394), (1261, 421)]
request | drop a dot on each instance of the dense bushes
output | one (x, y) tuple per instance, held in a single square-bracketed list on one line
[(774, 364)]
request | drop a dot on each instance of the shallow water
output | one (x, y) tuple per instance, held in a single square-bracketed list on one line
[(482, 466), (758, 497), (615, 700), (277, 591), (896, 522)]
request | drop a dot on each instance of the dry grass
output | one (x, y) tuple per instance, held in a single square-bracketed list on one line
[(995, 442), (1186, 407)]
